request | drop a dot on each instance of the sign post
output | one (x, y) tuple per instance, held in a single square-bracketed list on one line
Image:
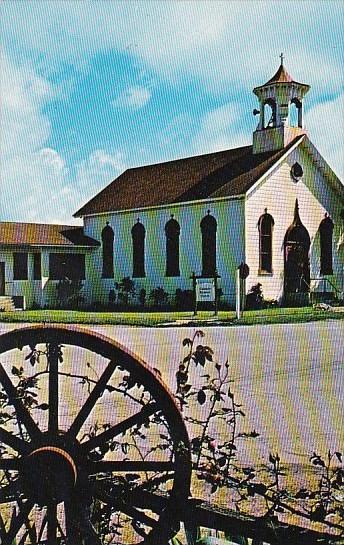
[(238, 295), (242, 273)]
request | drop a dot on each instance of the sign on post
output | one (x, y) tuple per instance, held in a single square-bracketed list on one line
[(205, 290)]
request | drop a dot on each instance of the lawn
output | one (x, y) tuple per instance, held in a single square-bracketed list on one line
[(151, 319)]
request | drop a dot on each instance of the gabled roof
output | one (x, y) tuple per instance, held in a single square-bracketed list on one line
[(227, 173), (41, 234)]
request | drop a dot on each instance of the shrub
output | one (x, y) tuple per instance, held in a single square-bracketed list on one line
[(255, 298), (69, 293), (142, 297), (126, 290), (184, 299), (159, 297)]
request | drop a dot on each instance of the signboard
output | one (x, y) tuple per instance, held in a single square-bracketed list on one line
[(205, 290)]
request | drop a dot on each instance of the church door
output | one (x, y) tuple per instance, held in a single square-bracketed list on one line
[(296, 261), (296, 271), (2, 278)]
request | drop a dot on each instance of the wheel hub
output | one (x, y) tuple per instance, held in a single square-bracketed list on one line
[(49, 474)]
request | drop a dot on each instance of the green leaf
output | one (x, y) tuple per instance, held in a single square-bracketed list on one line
[(43, 406), (339, 456), (259, 488), (201, 397), (222, 461)]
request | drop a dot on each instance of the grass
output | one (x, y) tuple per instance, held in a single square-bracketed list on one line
[(151, 319)]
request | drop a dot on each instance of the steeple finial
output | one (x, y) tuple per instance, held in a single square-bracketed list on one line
[(282, 58)]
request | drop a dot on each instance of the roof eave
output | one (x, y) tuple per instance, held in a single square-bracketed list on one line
[(258, 182)]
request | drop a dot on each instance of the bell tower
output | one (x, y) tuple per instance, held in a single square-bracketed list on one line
[(281, 114)]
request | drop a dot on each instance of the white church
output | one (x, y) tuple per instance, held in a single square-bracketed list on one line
[(275, 205)]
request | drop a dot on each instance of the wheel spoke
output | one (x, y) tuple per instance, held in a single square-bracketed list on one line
[(52, 523), (53, 360), (22, 413), (2, 527), (17, 522), (72, 524), (12, 441), (125, 507), (23, 539), (11, 464), (89, 534), (92, 399), (41, 530), (135, 514), (135, 420), (127, 466)]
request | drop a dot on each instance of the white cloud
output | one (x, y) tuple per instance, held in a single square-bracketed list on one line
[(325, 124), (221, 42), (97, 170), (36, 183), (134, 97), (221, 129), (51, 158)]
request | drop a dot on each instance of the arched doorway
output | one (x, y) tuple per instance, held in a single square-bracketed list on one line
[(296, 261)]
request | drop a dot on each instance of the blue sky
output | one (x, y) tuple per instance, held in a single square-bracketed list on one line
[(90, 88)]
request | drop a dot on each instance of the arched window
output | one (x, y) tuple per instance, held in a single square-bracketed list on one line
[(326, 233), (208, 229), (138, 234), (107, 245), (172, 231), (295, 113), (269, 113), (265, 226)]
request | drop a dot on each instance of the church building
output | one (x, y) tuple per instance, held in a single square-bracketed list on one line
[(275, 205)]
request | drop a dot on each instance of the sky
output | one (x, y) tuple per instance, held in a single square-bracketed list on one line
[(91, 88)]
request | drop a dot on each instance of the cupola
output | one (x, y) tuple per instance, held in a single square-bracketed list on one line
[(281, 111)]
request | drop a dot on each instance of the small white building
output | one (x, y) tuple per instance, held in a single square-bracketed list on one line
[(275, 205)]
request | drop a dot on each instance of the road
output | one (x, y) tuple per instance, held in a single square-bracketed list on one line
[(289, 379)]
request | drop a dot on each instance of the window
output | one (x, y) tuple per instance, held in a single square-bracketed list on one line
[(37, 269), (265, 226), (269, 113), (172, 231), (326, 233), (138, 234), (20, 266), (295, 113), (70, 266), (107, 245), (208, 229)]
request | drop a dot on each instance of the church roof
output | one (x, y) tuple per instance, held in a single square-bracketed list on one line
[(42, 234), (221, 174), (281, 76)]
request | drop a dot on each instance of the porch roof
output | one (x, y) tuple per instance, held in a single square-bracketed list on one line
[(43, 234)]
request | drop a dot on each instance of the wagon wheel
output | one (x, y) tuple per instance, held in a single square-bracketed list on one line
[(93, 449)]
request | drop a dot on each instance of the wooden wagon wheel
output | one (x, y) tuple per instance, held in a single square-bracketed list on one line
[(114, 470)]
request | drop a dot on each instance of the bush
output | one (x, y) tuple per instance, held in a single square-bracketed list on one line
[(255, 298), (142, 297), (184, 299), (69, 293), (159, 297), (126, 290)]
